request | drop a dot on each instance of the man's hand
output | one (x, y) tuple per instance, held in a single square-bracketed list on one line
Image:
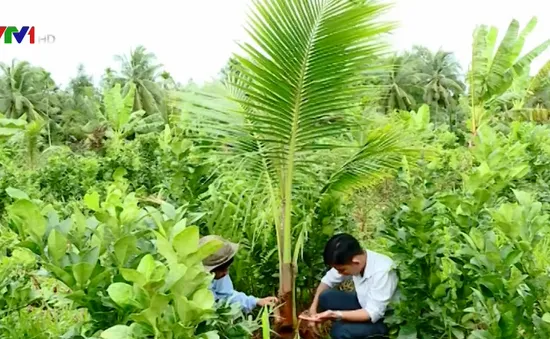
[(267, 301), (320, 317), (310, 317), (327, 315)]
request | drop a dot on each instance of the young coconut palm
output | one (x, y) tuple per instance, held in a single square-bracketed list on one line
[(291, 95)]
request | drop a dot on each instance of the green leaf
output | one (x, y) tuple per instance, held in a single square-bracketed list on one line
[(176, 272), (508, 325), (124, 248), (57, 245), (17, 194), (178, 227), (204, 299), (125, 110), (480, 334), (159, 303), (407, 332), (165, 249), (80, 221), (147, 266), (156, 216), (440, 291), (117, 332), (10, 127), (140, 298), (82, 272), (210, 335), (186, 241), (478, 238), (157, 277), (168, 209), (524, 198), (101, 279), (380, 157), (90, 256), (91, 200), (130, 211), (119, 174), (185, 309), (34, 223), (546, 317), (458, 333), (62, 275), (266, 331), (194, 278), (150, 315), (134, 276), (513, 258), (121, 293)]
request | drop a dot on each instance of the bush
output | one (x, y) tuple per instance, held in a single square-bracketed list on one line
[(473, 259)]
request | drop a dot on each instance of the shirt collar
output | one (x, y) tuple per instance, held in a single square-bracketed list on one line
[(369, 270)]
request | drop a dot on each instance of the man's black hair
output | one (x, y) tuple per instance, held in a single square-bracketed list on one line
[(340, 249), (224, 266)]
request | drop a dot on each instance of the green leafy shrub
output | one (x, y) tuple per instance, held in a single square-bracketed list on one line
[(28, 305), (473, 259), (67, 177), (136, 270)]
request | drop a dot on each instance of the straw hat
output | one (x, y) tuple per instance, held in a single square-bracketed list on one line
[(223, 255)]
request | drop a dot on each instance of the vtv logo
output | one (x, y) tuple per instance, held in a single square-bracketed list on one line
[(10, 32)]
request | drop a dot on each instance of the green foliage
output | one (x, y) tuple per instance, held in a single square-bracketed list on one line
[(29, 306), (473, 258), (131, 283), (9, 127), (105, 190)]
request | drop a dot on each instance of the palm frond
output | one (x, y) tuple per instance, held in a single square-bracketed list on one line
[(305, 69), (380, 157)]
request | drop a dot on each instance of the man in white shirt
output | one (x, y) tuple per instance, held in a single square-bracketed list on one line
[(358, 314)]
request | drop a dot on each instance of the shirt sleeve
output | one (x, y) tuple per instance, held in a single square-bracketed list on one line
[(332, 278), (224, 290), (379, 296)]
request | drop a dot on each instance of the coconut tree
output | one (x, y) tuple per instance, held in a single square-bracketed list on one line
[(440, 76), (291, 94), (25, 90), (140, 69), (80, 104), (401, 81)]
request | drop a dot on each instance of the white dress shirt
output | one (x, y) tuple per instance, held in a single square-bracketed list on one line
[(375, 288)]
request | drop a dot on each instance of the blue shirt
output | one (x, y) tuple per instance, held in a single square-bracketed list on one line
[(223, 290)]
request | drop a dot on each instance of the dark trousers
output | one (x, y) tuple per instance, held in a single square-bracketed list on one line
[(347, 301)]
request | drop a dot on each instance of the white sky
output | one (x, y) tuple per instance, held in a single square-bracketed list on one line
[(194, 38)]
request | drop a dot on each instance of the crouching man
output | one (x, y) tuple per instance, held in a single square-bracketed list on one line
[(222, 286), (356, 314)]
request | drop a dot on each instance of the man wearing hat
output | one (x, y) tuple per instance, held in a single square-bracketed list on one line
[(222, 286)]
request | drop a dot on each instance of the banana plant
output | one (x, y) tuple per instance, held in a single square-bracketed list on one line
[(10, 127), (492, 72), (291, 99), (119, 118), (531, 101)]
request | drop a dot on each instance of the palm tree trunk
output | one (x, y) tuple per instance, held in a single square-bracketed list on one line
[(287, 276)]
